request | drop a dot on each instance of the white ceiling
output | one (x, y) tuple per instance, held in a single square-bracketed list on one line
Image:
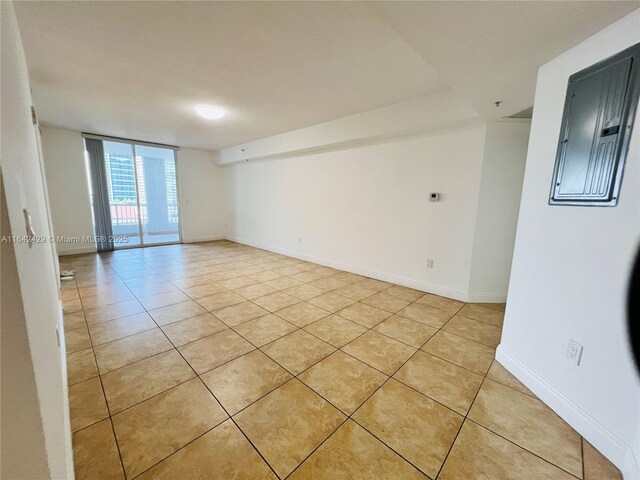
[(138, 69), (490, 51)]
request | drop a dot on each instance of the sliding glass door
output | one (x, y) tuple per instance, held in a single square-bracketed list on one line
[(157, 194), (141, 194), (124, 208)]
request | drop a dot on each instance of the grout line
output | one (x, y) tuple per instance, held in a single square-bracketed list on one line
[(233, 258), (582, 452), (523, 448), (104, 395)]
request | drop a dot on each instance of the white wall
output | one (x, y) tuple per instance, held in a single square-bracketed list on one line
[(366, 209), (22, 441), (203, 196), (569, 278), (200, 183), (68, 188), (505, 152), (24, 189)]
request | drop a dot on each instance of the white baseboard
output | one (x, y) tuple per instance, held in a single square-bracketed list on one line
[(385, 277), (203, 239), (618, 452), (76, 250)]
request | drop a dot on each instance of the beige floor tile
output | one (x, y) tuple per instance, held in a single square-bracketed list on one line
[(529, 423), (70, 294), (466, 353), (331, 302), (174, 273), (193, 329), (298, 351), (405, 330), (364, 314), (163, 299), (87, 404), (501, 307), (220, 300), (265, 329), (353, 453), (148, 280), (499, 374), (240, 313), (328, 283), (72, 305), (113, 312), (287, 270), (386, 301), (95, 301), (483, 314), (131, 349), (81, 366), (254, 291), (416, 427), (244, 380), (348, 277), (335, 330), (479, 453), (223, 453), (264, 276), (76, 339), (120, 328), (307, 276), (198, 291), (155, 428), (425, 314), (474, 330), (223, 275), (143, 368), (445, 304), (379, 351), (343, 380), (405, 293), (276, 301), (596, 465), (282, 283), (440, 380), (192, 281), (373, 283), (176, 312), (153, 289), (355, 291), (74, 320), (214, 350), (302, 314), (236, 282), (95, 454), (139, 381), (304, 291), (288, 424)]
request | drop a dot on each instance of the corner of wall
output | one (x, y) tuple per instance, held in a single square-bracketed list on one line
[(504, 158)]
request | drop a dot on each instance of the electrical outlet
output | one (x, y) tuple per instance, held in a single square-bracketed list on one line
[(429, 262), (574, 352), (299, 239)]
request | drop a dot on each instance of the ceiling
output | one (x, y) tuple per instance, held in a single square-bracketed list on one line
[(138, 69)]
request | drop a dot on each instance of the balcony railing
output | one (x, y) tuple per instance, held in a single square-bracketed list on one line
[(124, 219)]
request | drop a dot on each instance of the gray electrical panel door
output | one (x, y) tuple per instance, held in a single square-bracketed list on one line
[(596, 127)]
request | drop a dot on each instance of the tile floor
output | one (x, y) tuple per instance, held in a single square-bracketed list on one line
[(218, 360)]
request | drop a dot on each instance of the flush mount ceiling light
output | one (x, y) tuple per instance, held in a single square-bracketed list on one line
[(210, 112)]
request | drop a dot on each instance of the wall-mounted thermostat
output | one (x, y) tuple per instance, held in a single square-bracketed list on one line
[(434, 197)]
